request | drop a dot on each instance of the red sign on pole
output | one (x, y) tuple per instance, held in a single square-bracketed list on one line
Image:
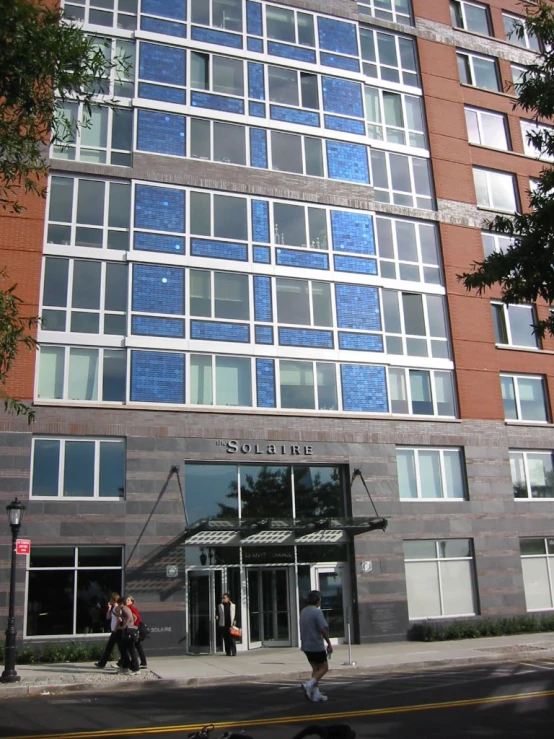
[(22, 546)]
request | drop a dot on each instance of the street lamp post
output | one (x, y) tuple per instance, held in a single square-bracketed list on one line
[(15, 515)]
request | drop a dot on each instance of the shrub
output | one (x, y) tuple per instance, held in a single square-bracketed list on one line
[(479, 627)]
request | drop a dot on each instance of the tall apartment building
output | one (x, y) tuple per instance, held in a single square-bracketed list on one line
[(247, 278)]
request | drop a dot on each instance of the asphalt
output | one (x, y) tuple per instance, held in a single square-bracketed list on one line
[(278, 663)]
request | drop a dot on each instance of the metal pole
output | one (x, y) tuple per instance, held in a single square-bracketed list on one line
[(10, 675), (349, 632)]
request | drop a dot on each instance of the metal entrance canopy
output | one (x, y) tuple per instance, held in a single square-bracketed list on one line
[(222, 532)]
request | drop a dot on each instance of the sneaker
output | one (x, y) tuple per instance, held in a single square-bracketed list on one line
[(318, 697), (100, 666), (308, 691), (144, 667)]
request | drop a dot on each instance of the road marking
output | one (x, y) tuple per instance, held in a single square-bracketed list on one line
[(290, 719)]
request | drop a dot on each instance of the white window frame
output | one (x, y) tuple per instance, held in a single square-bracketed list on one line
[(102, 312), (505, 312), (462, 4), (210, 88), (441, 452), (515, 378), (438, 559), (211, 23), (405, 130), (499, 243), (404, 336), (421, 264), (269, 67), (400, 194), (480, 115), (528, 127), (470, 57), (314, 364), (212, 195), (119, 80), (276, 239), (63, 440), (407, 385), (488, 181), (296, 13), (310, 284), (73, 224), (213, 358), (376, 9), (527, 40), (548, 557), (75, 569), (212, 315), (65, 385), (303, 137), (525, 455), (91, 6), (380, 66)]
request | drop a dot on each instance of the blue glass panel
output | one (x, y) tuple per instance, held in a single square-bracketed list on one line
[(218, 250), (306, 337), (257, 110), (256, 45), (162, 64), (339, 62), (260, 221), (333, 123), (294, 258), (264, 334), (159, 92), (265, 381), (173, 328), (358, 307), (291, 52), (223, 38), (158, 289), (304, 117), (360, 342), (214, 331), (157, 377), (352, 232), (337, 36), (254, 18), (355, 264), (166, 8), (159, 208), (167, 28), (364, 388), (157, 242), (263, 310), (162, 133), (217, 102), (256, 81), (262, 254), (342, 96), (258, 150), (347, 162)]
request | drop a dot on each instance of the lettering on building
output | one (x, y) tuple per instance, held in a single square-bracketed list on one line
[(304, 450)]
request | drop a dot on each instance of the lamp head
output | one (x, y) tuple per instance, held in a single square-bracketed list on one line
[(15, 510)]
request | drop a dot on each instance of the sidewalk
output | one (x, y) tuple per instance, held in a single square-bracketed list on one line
[(280, 664)]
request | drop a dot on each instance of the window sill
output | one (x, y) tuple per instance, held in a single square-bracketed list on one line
[(533, 424), (533, 350), (496, 211), (434, 500), (534, 500)]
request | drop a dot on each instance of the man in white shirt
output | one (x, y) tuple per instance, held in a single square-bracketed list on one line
[(314, 632)]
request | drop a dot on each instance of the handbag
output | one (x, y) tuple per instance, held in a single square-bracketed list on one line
[(236, 632), (131, 634), (144, 631)]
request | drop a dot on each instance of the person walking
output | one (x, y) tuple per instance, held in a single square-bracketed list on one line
[(130, 602), (314, 632), (226, 611), (115, 634), (129, 657)]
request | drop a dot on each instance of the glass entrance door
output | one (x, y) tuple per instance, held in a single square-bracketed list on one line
[(333, 584), (204, 593), (269, 612)]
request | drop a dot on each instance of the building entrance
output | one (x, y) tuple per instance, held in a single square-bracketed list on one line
[(269, 607)]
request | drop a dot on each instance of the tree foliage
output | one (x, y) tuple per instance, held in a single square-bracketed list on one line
[(14, 332), (525, 270), (44, 62)]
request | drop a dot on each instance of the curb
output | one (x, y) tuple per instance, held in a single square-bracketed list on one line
[(34, 690)]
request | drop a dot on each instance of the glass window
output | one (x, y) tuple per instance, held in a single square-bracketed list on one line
[(201, 392), (518, 33), (478, 71), (534, 137), (537, 564), (388, 57), (265, 491), (440, 578), (402, 180), (513, 325), (211, 490), (304, 303), (233, 381), (230, 219), (290, 26), (495, 190), (494, 243), (532, 474), (297, 384), (524, 398), (223, 14), (421, 392), (470, 17), (230, 291), (486, 128), (112, 13), (289, 225), (394, 117), (84, 375), (430, 474), (408, 250), (398, 11), (218, 74), (229, 143), (415, 324), (286, 152), (318, 491), (283, 86)]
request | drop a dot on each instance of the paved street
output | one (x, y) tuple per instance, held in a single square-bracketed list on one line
[(505, 700)]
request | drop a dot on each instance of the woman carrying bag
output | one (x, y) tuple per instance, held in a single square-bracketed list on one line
[(226, 611), (143, 632)]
